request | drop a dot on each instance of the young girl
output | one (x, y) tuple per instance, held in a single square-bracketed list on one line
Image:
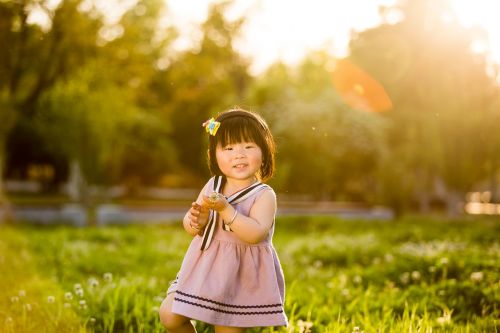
[(231, 276)]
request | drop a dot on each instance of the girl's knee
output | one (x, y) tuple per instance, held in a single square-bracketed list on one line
[(170, 320)]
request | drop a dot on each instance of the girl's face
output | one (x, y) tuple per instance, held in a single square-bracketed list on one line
[(239, 161)]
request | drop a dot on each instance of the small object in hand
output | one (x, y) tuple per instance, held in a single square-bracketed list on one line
[(213, 197), (193, 227)]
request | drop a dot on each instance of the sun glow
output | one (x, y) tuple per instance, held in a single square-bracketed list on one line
[(482, 14)]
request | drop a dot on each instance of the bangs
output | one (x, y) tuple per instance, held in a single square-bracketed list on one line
[(238, 126), (238, 129)]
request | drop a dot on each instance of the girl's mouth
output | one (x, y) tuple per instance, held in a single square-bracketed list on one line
[(240, 166)]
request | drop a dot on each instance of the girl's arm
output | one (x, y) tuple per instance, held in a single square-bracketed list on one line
[(196, 217), (255, 227)]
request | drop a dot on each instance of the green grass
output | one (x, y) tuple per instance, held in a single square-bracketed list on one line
[(412, 275)]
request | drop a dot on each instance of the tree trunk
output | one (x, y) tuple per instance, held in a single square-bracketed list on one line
[(75, 181), (79, 192), (7, 121), (454, 203), (6, 214)]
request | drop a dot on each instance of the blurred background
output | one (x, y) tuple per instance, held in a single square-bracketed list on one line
[(388, 104)]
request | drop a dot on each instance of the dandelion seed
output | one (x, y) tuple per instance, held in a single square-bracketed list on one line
[(445, 319), (51, 299), (415, 275), (79, 293), (345, 293), (14, 299), (92, 320), (68, 296), (357, 279), (108, 277), (77, 287), (444, 261), (82, 302), (93, 283), (28, 307), (67, 305), (405, 278), (477, 276), (22, 293), (304, 326), (318, 264)]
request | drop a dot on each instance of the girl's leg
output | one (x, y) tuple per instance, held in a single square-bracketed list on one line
[(173, 322), (227, 329)]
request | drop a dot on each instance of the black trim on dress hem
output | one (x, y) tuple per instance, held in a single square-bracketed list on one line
[(228, 305), (225, 311)]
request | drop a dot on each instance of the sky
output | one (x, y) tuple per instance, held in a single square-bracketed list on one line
[(287, 29)]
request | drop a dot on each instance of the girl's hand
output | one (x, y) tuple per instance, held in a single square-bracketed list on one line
[(215, 201), (198, 216)]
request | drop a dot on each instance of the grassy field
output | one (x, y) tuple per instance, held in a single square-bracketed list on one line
[(411, 275)]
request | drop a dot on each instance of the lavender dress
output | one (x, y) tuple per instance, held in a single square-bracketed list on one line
[(231, 283)]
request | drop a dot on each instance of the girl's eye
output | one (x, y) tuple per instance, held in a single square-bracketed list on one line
[(228, 148), (247, 147)]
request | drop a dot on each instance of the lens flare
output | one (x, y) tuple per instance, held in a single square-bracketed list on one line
[(358, 89)]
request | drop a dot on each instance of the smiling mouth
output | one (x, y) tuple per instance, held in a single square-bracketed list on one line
[(239, 166)]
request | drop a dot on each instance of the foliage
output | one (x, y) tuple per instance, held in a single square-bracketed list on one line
[(201, 82), (417, 274), (142, 101), (325, 148), (441, 93)]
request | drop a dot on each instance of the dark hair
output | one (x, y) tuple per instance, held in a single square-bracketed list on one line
[(238, 125)]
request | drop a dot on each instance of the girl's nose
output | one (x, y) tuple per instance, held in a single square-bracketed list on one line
[(240, 152)]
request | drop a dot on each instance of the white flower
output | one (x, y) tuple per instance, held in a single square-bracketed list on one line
[(51, 299), (445, 319), (108, 277), (304, 326), (83, 304), (405, 278), (357, 279), (79, 292), (477, 276), (68, 296), (92, 320), (93, 283), (444, 261), (77, 286), (415, 275), (14, 299)]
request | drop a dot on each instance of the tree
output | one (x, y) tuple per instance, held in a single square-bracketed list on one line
[(325, 148), (198, 84), (36, 58), (426, 63)]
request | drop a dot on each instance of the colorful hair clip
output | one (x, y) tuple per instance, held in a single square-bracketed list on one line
[(211, 126)]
